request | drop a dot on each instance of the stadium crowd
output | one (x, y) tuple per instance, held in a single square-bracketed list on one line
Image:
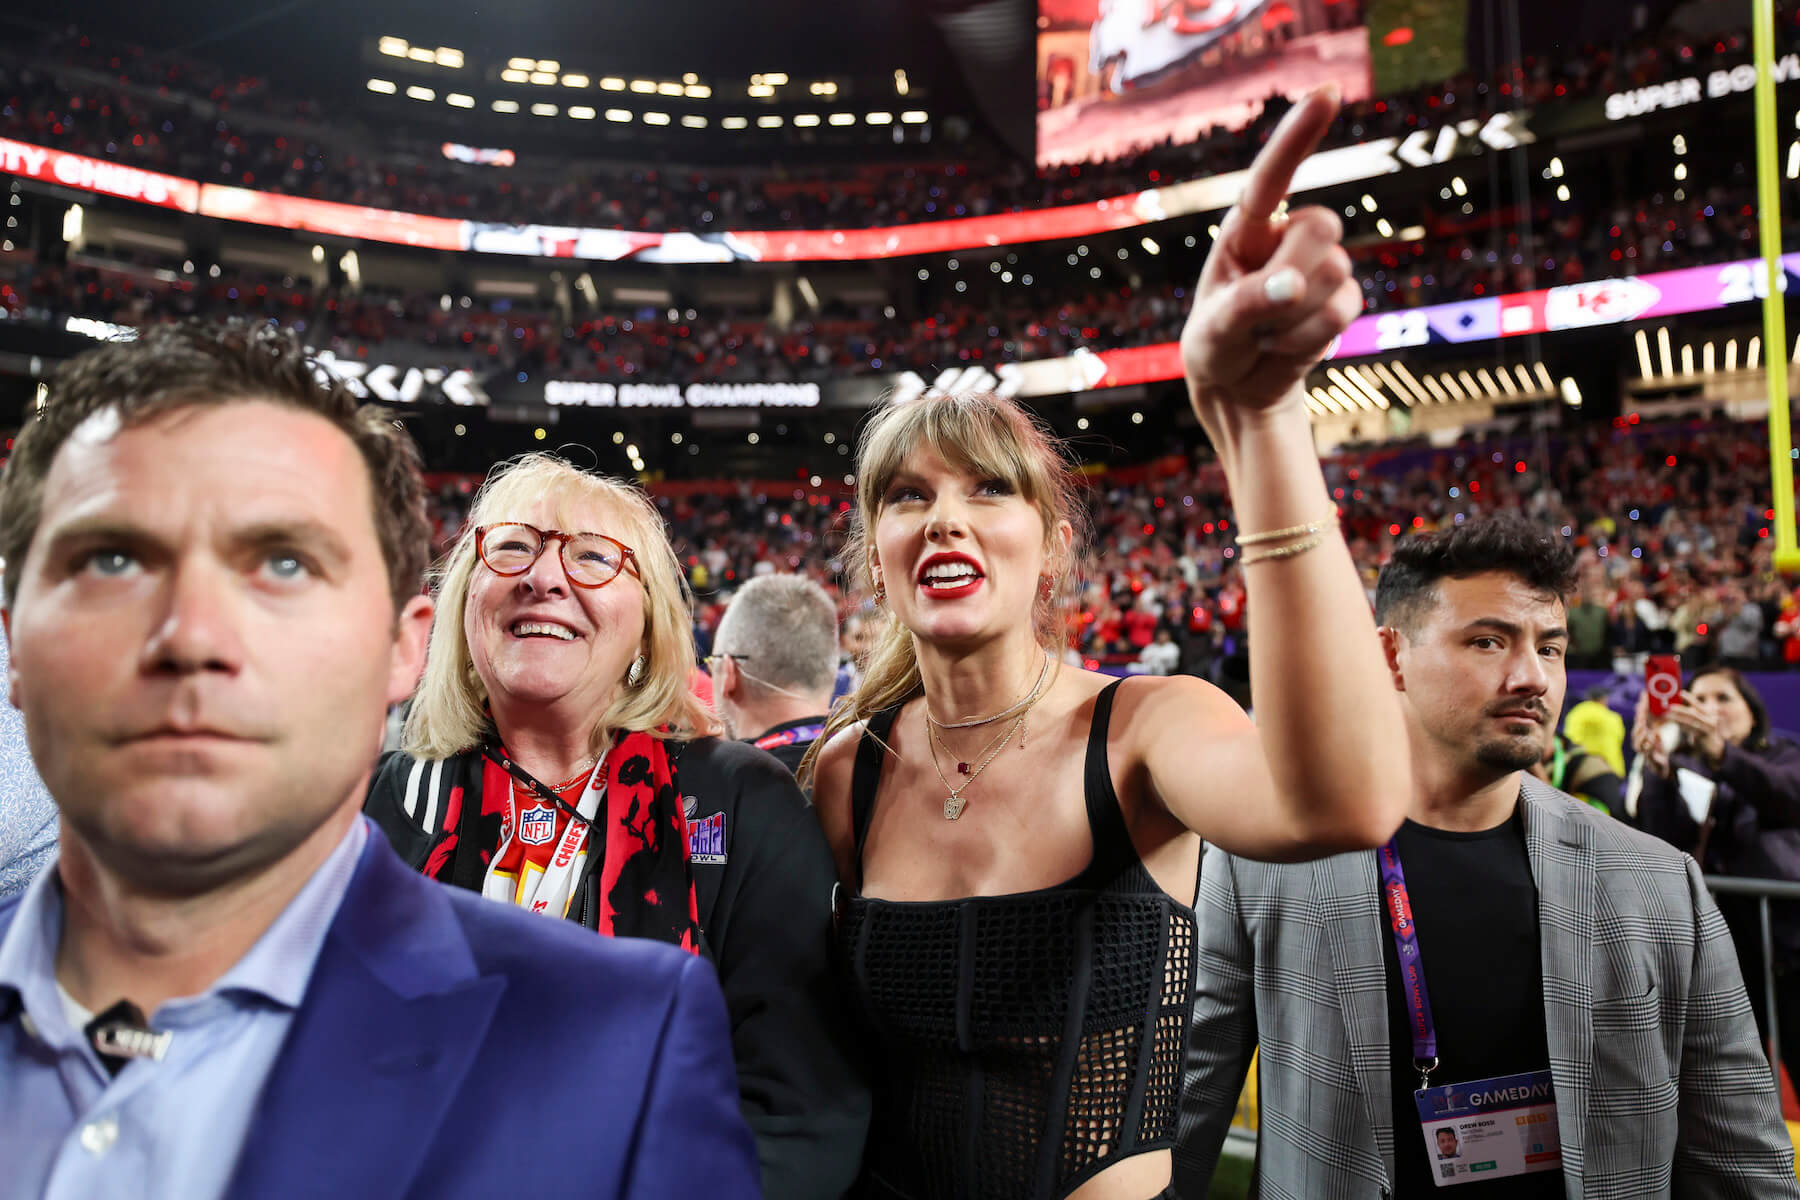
[(1674, 543), (75, 92), (1137, 302)]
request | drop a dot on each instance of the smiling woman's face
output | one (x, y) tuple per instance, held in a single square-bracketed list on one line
[(960, 555), (539, 642)]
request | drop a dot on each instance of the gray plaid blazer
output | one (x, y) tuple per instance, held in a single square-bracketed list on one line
[(1662, 1087)]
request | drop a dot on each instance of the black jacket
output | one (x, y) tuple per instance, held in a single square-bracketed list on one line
[(765, 919)]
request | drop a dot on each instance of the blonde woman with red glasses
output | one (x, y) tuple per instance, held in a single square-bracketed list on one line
[(555, 759)]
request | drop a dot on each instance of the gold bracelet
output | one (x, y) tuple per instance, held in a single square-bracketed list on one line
[(1282, 551), (1292, 531)]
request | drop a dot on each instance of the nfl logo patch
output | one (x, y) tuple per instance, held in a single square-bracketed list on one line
[(706, 840), (537, 825)]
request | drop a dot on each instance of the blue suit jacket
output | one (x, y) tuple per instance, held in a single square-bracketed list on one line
[(449, 1046)]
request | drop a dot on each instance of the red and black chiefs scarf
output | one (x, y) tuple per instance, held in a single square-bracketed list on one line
[(637, 881)]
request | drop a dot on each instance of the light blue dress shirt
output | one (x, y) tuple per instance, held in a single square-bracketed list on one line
[(174, 1128), (27, 814)]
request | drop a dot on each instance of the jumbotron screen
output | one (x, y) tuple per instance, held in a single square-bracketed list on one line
[(1118, 76)]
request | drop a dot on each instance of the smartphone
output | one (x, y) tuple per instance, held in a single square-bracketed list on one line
[(1662, 683)]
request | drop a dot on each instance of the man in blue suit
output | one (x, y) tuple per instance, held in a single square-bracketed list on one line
[(227, 985)]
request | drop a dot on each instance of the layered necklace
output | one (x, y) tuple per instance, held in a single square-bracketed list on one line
[(955, 802)]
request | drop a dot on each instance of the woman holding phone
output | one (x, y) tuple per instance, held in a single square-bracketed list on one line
[(1713, 779)]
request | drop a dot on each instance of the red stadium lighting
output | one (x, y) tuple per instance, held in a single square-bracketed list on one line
[(1398, 37)]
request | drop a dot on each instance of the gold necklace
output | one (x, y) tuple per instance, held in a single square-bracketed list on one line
[(954, 802), (1025, 704)]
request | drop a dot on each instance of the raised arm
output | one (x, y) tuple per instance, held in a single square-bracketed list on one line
[(1326, 766)]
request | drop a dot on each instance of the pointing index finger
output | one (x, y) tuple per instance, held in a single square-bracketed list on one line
[(1291, 144)]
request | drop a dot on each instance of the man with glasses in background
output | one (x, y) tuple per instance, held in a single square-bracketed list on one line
[(773, 664)]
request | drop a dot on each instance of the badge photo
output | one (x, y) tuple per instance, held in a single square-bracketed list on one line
[(537, 825)]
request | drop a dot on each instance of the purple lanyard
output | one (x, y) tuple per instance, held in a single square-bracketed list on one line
[(1412, 967), (787, 737)]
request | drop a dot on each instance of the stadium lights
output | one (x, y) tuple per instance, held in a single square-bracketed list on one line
[(446, 57), (656, 118), (806, 120), (1571, 394), (1662, 348), (1751, 353), (1436, 389), (880, 118), (1150, 245), (1793, 163), (458, 100), (1681, 144), (843, 118), (693, 122), (734, 123), (393, 46), (543, 110), (612, 83), (914, 117), (1386, 229), (824, 87), (1706, 357), (772, 121), (415, 92), (1687, 358), (420, 54), (1458, 186), (621, 115), (522, 64), (1680, 171), (506, 106), (1562, 191), (761, 91), (1730, 354), (581, 112), (1368, 202), (1643, 350), (1556, 168), (384, 86), (696, 91), (543, 78), (549, 64), (575, 81), (513, 75), (644, 87), (669, 89)]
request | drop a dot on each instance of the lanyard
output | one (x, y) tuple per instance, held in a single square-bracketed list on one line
[(787, 737), (548, 889), (1412, 967)]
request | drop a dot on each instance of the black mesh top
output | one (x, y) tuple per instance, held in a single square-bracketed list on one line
[(1023, 1042)]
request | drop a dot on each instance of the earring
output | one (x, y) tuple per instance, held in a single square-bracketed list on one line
[(1049, 586), (639, 668), (880, 592)]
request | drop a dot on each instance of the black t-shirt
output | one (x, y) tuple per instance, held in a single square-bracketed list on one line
[(1475, 907)]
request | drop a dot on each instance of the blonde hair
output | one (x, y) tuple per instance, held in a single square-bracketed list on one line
[(449, 714), (983, 434)]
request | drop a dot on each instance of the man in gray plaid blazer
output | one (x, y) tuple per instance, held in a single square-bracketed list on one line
[(1660, 1086)]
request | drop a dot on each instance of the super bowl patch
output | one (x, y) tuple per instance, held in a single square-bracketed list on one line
[(706, 840), (537, 825)]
